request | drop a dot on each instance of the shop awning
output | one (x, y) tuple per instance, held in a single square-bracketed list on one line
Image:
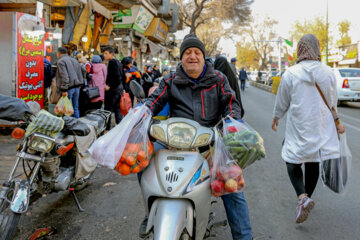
[(97, 7), (348, 61)]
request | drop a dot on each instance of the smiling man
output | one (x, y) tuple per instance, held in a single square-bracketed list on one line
[(198, 92)]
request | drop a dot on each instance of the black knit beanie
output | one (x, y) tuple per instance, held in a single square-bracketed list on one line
[(189, 41)]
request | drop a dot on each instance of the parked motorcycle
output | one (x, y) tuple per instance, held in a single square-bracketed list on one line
[(48, 163), (176, 184)]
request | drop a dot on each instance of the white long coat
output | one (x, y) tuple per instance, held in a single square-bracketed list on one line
[(310, 134)]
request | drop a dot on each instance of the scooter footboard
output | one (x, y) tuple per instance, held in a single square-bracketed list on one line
[(169, 218)]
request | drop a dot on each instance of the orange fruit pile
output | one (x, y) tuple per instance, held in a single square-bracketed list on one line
[(135, 158)]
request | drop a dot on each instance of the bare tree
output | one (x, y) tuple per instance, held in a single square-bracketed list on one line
[(210, 34), (194, 13), (259, 33)]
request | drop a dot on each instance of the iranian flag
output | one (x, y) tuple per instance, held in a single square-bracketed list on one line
[(288, 42)]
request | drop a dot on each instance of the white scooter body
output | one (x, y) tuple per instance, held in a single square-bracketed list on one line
[(170, 202), (177, 195)]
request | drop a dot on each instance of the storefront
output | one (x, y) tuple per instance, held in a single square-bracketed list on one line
[(344, 57)]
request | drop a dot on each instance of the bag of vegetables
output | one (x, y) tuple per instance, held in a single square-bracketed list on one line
[(126, 148), (226, 175), (243, 142)]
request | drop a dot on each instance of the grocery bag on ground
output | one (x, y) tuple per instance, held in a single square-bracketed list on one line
[(243, 142), (335, 172), (64, 107), (226, 175), (108, 149), (125, 103)]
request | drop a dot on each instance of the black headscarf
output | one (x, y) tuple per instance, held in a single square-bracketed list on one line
[(222, 65)]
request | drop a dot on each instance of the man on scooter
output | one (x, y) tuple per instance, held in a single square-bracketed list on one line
[(198, 92)]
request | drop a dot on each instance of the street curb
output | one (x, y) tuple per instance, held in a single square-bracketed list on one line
[(261, 86)]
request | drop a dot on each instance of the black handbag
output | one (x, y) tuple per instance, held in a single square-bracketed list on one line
[(93, 92)]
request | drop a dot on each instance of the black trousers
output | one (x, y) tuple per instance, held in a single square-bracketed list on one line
[(242, 84), (96, 105), (112, 103), (296, 177)]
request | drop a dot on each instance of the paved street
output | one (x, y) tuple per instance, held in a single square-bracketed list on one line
[(114, 212)]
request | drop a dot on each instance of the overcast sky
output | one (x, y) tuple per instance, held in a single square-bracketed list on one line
[(286, 12)]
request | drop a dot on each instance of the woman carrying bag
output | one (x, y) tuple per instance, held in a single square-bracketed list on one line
[(99, 70), (311, 135)]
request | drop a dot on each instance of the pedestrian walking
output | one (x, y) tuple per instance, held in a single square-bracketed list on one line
[(259, 76), (86, 68), (69, 78), (99, 73), (222, 65), (115, 84), (233, 66), (311, 135), (131, 73), (243, 77), (147, 80), (48, 75), (156, 73)]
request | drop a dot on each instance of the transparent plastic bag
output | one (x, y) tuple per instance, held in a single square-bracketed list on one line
[(226, 175), (335, 172), (64, 107), (138, 150), (244, 144), (108, 150)]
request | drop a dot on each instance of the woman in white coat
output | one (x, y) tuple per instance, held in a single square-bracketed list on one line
[(311, 135)]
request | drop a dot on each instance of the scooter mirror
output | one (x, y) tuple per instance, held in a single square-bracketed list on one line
[(137, 89)]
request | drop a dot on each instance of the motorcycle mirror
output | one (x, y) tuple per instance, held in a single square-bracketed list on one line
[(137, 89)]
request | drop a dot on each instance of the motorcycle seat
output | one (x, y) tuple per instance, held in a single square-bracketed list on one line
[(95, 120)]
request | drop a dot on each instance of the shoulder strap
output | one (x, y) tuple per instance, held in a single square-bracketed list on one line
[(322, 95)]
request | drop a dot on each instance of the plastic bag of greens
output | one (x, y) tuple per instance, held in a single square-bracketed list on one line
[(125, 142), (335, 172), (226, 175), (242, 141), (64, 107)]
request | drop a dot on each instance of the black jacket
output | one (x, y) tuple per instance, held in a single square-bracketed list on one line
[(156, 74), (243, 75), (222, 65), (115, 75), (205, 102)]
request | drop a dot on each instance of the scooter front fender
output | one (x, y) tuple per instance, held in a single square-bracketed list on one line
[(170, 217), (21, 198)]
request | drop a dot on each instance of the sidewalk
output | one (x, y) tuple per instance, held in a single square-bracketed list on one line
[(7, 156)]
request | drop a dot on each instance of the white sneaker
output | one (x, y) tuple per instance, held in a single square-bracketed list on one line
[(303, 209)]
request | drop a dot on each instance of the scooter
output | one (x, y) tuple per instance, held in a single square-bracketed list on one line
[(48, 165), (176, 184)]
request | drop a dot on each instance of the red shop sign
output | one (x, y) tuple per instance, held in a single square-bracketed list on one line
[(30, 59)]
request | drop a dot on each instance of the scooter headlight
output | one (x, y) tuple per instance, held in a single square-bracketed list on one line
[(158, 133), (202, 140), (181, 135), (41, 143)]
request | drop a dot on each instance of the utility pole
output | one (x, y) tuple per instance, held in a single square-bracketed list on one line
[(327, 32), (280, 56)]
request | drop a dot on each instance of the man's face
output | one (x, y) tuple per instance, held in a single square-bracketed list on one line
[(58, 55), (193, 61), (108, 56), (156, 68)]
